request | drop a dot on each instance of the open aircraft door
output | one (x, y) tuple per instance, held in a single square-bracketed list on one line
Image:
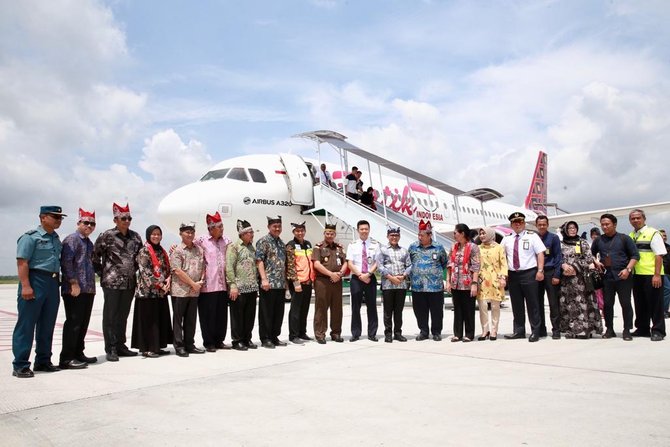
[(300, 183)]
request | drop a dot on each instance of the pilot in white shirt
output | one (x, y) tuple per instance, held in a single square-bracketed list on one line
[(361, 259), (525, 259)]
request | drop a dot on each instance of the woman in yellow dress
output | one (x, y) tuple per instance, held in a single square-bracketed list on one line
[(492, 278)]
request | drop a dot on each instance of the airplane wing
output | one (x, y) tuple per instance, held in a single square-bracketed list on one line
[(593, 217)]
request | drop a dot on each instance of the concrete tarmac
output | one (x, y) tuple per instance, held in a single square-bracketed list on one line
[(503, 393)]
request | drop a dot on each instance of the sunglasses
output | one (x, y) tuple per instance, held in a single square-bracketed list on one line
[(126, 219), (56, 217), (88, 224)]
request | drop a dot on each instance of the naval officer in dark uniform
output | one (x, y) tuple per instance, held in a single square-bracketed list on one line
[(38, 262)]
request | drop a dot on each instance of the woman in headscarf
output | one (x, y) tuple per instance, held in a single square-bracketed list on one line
[(492, 280), (579, 311), (152, 328), (463, 282)]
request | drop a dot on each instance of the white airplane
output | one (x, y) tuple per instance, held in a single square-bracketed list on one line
[(252, 187)]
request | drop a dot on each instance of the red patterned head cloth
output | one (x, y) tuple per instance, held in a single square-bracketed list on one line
[(213, 221), (119, 210), (85, 216), (426, 227)]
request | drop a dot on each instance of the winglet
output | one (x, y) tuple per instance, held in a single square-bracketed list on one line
[(537, 194)]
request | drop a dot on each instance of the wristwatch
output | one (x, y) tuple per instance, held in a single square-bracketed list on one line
[(540, 270), (630, 270)]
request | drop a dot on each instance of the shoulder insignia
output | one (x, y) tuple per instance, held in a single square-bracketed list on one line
[(530, 231), (31, 232)]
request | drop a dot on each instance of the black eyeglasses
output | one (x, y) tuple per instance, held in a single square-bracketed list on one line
[(56, 216), (126, 219), (89, 224)]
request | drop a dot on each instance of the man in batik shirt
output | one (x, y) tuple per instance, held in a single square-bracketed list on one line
[(429, 261), (78, 290), (271, 263), (114, 258)]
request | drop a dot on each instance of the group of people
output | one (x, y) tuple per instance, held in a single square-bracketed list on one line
[(353, 186), (206, 276)]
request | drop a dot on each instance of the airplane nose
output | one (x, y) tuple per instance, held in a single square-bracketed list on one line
[(180, 206)]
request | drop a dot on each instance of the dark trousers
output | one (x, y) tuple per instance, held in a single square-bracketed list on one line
[(77, 316), (424, 303), (363, 292), (523, 293), (394, 303), (297, 315), (648, 305), (36, 320), (552, 296), (184, 316), (115, 316), (270, 313), (464, 313), (623, 288), (213, 314), (242, 316)]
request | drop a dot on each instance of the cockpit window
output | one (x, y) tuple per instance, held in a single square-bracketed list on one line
[(238, 174), (213, 175), (257, 176)]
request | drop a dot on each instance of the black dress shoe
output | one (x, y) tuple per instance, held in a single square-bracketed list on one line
[(112, 356), (222, 345), (337, 339), (163, 352), (321, 341), (514, 336), (609, 333), (437, 337), (297, 341), (83, 358), (388, 339), (194, 350), (181, 352), (533, 338), (73, 364), (555, 335), (483, 337), (46, 367), (399, 338), (268, 344), (353, 339), (251, 345), (656, 337), (239, 347), (421, 337), (373, 338), (626, 335), (305, 337), (150, 355), (493, 337), (278, 342), (23, 373), (210, 349), (123, 351)]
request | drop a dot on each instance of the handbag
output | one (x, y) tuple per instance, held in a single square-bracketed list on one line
[(593, 280)]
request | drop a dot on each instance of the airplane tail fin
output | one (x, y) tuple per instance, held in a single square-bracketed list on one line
[(537, 194)]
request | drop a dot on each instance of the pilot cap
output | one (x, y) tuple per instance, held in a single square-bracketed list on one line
[(244, 227), (517, 215), (52, 209)]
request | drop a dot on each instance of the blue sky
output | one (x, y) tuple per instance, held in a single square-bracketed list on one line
[(127, 100)]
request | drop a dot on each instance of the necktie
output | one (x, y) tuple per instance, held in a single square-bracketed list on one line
[(515, 257), (364, 263)]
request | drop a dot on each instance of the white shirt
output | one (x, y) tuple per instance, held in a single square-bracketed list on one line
[(324, 177), (351, 185), (355, 252), (530, 245)]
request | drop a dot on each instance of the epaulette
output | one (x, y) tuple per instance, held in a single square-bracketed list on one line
[(30, 232), (319, 245), (531, 231)]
